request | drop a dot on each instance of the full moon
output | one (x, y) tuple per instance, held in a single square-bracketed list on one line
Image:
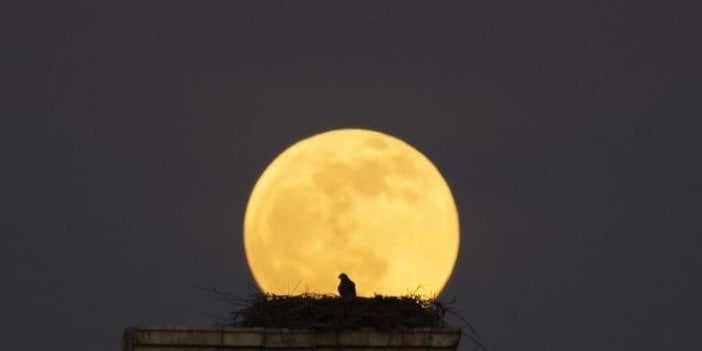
[(354, 201)]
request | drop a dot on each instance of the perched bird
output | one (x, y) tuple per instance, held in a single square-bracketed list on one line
[(347, 288)]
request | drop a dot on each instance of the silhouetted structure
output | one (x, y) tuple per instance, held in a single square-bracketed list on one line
[(347, 288), (175, 338)]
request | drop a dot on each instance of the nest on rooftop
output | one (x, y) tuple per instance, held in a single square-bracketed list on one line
[(331, 313)]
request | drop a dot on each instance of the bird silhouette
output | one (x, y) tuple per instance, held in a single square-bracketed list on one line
[(347, 288)]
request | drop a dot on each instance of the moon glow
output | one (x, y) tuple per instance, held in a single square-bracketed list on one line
[(354, 201)]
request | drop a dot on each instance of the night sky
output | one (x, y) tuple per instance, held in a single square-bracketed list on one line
[(132, 134)]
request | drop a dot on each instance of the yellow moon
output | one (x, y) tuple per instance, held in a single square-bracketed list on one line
[(354, 201)]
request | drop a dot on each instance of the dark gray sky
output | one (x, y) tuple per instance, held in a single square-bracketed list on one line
[(131, 136)]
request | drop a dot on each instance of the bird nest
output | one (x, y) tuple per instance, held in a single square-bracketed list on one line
[(331, 313)]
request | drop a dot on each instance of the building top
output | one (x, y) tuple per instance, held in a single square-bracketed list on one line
[(187, 338)]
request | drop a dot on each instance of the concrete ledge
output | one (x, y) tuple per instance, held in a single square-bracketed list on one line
[(182, 338)]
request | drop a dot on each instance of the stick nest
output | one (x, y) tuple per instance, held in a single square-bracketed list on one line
[(331, 313)]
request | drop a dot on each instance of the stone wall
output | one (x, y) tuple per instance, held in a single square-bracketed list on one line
[(174, 338)]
